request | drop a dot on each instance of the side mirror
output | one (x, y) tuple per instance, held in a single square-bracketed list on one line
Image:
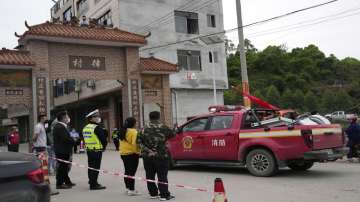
[(178, 130)]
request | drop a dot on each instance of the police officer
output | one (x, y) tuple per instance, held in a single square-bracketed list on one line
[(95, 143), (152, 141), (353, 133)]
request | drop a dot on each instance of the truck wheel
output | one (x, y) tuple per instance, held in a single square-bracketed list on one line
[(261, 163), (301, 165)]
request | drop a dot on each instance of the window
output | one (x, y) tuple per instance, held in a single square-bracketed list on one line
[(221, 122), (63, 87), (213, 57), (189, 60), (186, 22), (105, 19), (211, 20), (69, 86), (67, 15), (196, 125)]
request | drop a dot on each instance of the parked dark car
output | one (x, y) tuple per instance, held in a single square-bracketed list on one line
[(22, 179)]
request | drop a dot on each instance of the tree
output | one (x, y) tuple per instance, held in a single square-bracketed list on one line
[(311, 102), (281, 77), (272, 95)]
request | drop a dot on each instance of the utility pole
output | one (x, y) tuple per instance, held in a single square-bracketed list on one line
[(244, 74)]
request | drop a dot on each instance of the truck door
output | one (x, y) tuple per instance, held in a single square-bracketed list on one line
[(221, 140), (189, 143)]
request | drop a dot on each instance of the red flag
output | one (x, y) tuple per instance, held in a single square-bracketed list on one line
[(261, 102)]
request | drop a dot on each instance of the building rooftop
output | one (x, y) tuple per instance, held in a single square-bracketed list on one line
[(153, 64), (72, 30), (14, 57)]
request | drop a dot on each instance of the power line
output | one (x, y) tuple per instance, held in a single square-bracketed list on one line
[(169, 16), (170, 20), (299, 27), (244, 26), (305, 23)]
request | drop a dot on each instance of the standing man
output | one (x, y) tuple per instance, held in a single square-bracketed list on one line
[(13, 139), (63, 145), (152, 141), (39, 137), (353, 133), (95, 143)]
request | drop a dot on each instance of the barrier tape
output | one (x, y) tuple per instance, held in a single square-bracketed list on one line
[(119, 174)]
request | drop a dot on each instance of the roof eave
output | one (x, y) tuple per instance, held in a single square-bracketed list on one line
[(157, 72), (17, 66), (29, 37)]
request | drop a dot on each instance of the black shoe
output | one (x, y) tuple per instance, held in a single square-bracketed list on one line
[(167, 198), (97, 187), (71, 184), (63, 186)]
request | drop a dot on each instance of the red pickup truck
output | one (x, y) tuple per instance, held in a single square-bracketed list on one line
[(244, 138)]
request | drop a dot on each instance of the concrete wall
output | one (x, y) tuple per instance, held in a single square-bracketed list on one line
[(193, 102)]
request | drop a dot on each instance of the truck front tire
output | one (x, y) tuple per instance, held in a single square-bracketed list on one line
[(261, 163), (301, 165)]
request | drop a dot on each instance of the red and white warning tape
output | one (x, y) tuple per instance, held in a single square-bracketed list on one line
[(41, 156), (119, 174)]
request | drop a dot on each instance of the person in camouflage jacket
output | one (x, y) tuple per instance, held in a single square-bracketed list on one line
[(152, 141)]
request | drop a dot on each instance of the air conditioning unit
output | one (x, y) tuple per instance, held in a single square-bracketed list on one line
[(91, 84)]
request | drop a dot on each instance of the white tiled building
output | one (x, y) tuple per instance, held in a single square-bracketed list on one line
[(168, 21)]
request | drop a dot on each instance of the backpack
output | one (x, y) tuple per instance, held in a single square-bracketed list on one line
[(14, 138)]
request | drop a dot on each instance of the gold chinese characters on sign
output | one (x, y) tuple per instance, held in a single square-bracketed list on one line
[(14, 92), (86, 62), (41, 95), (135, 98)]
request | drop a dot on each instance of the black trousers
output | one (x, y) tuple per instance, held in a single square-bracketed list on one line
[(352, 146), (116, 143), (131, 163), (13, 148), (75, 147), (94, 161), (159, 167), (62, 172)]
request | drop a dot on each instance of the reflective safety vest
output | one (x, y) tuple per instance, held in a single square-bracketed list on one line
[(92, 142)]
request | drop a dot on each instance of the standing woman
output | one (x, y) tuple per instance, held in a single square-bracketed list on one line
[(129, 151), (13, 139)]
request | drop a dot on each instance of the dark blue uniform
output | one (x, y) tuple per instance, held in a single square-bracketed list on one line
[(353, 133)]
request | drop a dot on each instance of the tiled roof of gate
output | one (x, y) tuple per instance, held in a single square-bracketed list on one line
[(154, 64), (14, 57), (98, 33)]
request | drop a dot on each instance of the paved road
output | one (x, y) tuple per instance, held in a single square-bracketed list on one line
[(327, 182)]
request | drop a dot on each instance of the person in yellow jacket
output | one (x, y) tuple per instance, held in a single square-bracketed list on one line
[(130, 153)]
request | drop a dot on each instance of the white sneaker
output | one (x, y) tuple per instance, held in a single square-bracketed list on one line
[(167, 198), (154, 197), (132, 193)]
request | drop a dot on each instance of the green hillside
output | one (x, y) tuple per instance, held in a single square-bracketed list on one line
[(302, 78)]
